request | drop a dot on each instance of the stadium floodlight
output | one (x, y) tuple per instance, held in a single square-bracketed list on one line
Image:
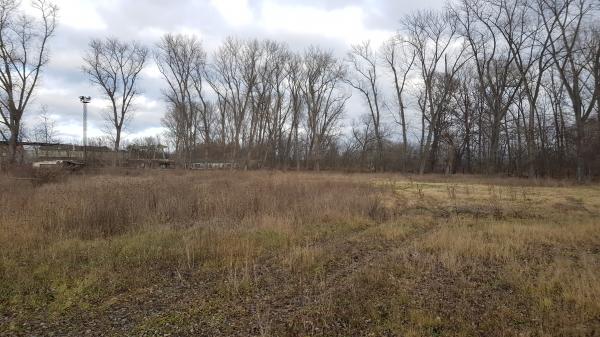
[(85, 100)]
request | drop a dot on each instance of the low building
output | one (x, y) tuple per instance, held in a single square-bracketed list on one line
[(52, 164), (69, 151), (47, 154), (208, 165), (93, 155), (26, 152), (29, 152), (148, 156)]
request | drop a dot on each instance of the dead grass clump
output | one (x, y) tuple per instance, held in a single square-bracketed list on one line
[(305, 258), (378, 211), (462, 242)]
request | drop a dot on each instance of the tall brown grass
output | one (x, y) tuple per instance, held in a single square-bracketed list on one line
[(297, 254), (101, 206), (62, 244)]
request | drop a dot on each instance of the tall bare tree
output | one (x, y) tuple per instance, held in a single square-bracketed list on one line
[(23, 55), (296, 78), (181, 59), (400, 61), (494, 61), (115, 66), (432, 37), (521, 28), (233, 75), (363, 77), (325, 102)]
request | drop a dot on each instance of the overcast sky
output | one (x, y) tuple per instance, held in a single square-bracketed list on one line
[(334, 25)]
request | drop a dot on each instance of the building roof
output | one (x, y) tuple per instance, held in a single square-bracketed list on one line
[(4, 142), (71, 147)]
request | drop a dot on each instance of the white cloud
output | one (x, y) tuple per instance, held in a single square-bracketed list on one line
[(80, 14), (152, 71), (151, 33), (235, 12), (346, 23), (143, 102), (149, 132)]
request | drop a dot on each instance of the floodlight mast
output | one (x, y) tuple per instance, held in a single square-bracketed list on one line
[(85, 100)]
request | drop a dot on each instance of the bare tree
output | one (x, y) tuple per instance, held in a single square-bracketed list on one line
[(363, 77), (45, 129), (362, 137), (431, 35), (296, 78), (324, 101), (268, 117), (23, 55), (523, 33), (181, 60), (494, 61), (400, 61), (280, 111), (467, 106), (233, 76), (115, 66)]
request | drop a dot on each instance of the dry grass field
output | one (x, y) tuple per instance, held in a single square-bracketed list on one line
[(298, 254)]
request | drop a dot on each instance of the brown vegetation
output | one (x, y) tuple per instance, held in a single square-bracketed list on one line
[(276, 254)]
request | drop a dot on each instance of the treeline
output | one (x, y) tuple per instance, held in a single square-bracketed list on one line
[(498, 87), (480, 86)]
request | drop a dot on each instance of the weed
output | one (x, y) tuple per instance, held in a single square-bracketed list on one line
[(420, 193)]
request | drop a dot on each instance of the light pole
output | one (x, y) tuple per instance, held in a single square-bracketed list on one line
[(85, 100)]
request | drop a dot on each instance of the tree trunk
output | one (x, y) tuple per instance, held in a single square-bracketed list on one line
[(297, 149), (508, 147), (531, 144), (316, 152), (579, 146), (116, 149), (12, 143), (380, 164), (424, 146), (494, 147), (404, 137)]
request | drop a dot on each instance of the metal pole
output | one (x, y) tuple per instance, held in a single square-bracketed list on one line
[(85, 100), (85, 132)]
